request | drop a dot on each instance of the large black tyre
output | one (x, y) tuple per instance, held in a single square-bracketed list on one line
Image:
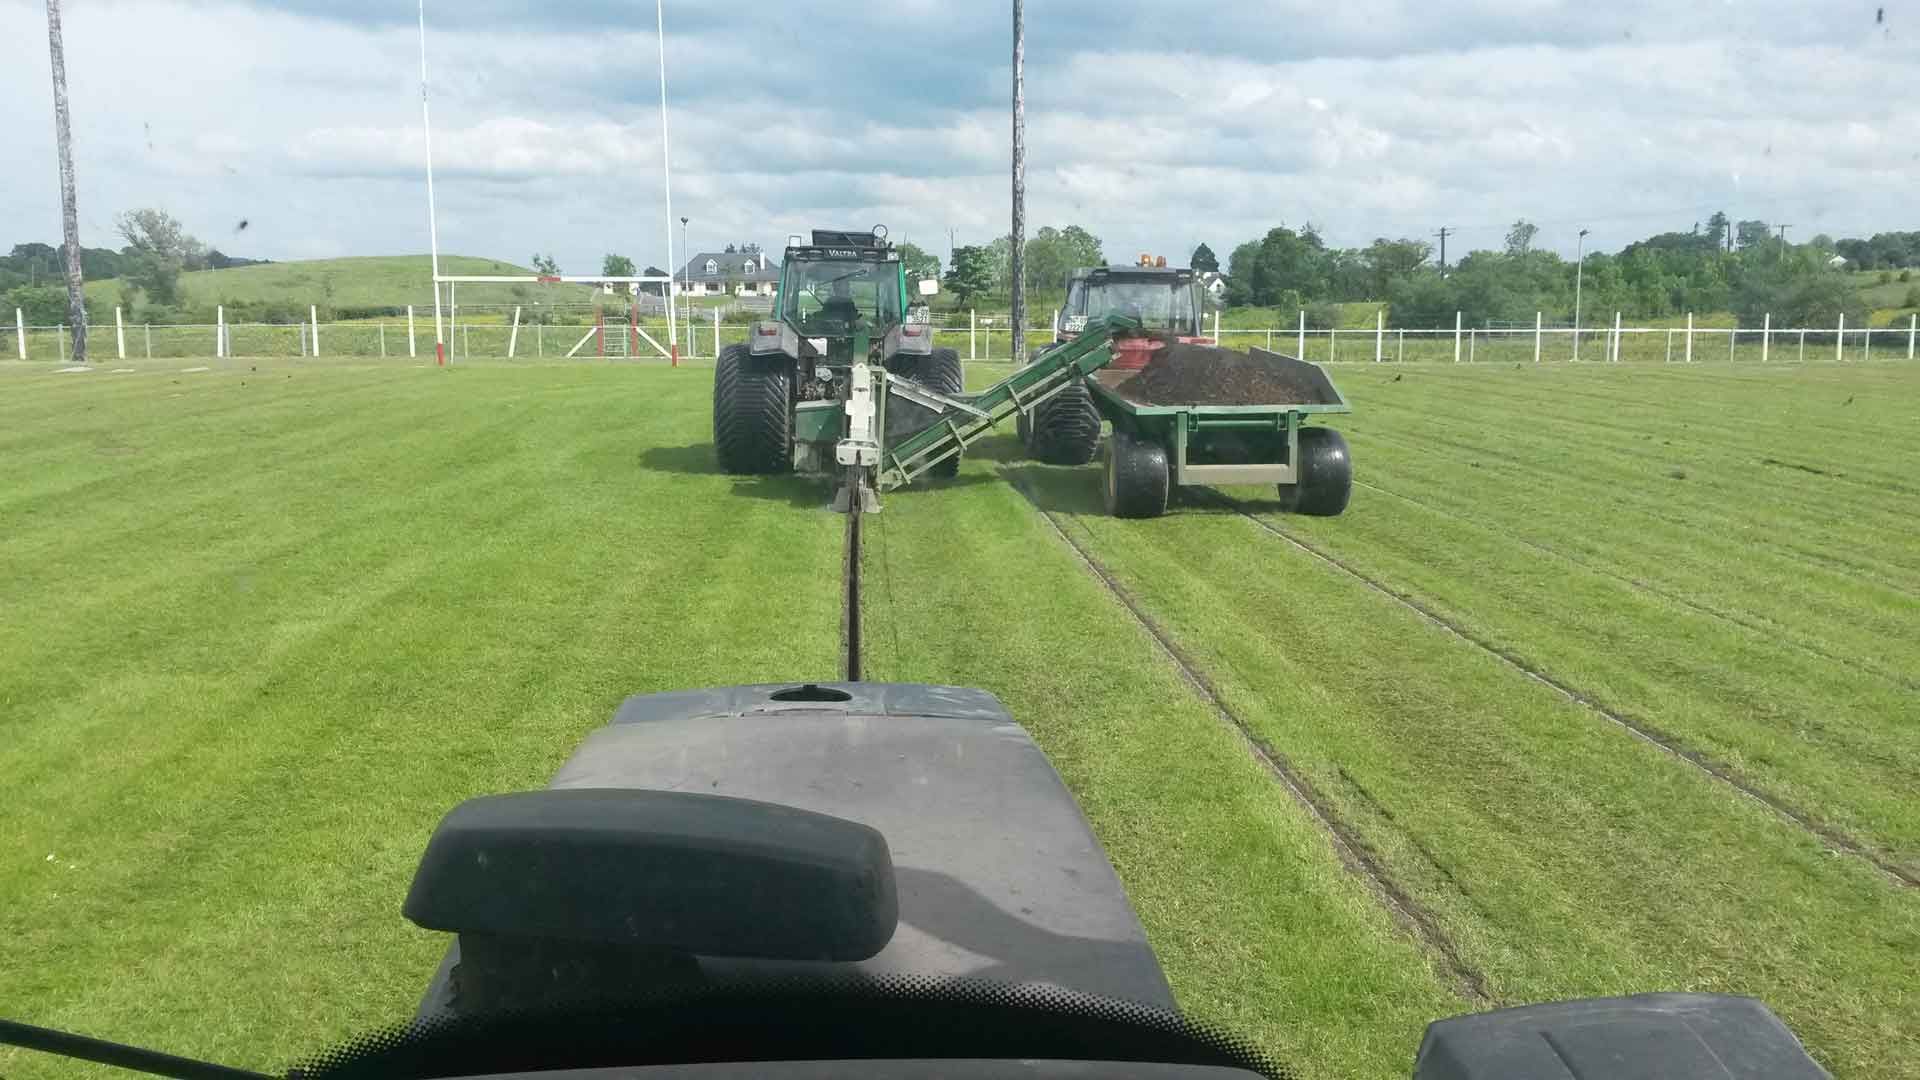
[(1065, 429), (940, 372), (1138, 480), (1326, 475), (752, 412)]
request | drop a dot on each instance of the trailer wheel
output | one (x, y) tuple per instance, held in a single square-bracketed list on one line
[(1137, 477), (938, 371), (752, 412), (1065, 429), (1326, 475)]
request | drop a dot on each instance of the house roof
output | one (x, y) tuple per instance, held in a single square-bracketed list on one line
[(727, 265)]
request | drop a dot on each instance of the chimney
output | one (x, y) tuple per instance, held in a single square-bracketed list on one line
[(763, 260)]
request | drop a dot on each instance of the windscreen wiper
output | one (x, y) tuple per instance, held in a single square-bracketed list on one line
[(139, 1059)]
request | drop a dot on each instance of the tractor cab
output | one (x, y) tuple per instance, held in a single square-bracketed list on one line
[(843, 297), (1165, 300)]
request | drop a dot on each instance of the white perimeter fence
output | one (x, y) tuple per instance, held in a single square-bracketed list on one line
[(974, 336)]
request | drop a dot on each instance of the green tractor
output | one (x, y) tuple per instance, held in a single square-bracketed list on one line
[(792, 397)]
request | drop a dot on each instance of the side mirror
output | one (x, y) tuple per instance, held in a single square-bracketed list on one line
[(929, 286)]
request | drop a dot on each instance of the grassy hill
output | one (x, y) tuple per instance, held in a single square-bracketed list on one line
[(363, 281)]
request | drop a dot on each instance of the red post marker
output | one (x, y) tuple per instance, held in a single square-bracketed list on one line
[(440, 353), (675, 353)]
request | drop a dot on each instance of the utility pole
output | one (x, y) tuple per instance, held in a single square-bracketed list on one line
[(69, 214), (1442, 234), (1019, 239), (666, 177), (1579, 270)]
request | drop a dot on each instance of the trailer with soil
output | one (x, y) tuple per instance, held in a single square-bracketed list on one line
[(1201, 415)]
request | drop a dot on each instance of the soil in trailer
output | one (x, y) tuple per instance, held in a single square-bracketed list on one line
[(1208, 375)]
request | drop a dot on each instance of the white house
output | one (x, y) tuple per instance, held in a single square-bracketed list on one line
[(1214, 282), (723, 273)]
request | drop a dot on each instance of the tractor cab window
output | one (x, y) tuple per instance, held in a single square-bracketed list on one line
[(836, 293), (1159, 305)]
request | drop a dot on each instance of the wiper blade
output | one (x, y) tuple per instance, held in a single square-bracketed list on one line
[(139, 1059)]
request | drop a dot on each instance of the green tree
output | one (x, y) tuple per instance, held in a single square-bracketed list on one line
[(919, 264), (617, 266), (1053, 253), (544, 264), (1719, 228), (1387, 261), (1750, 234), (1203, 260), (971, 273), (1520, 237), (1422, 300)]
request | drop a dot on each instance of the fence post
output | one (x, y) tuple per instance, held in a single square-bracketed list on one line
[(1615, 357), (1269, 339), (1866, 342), (973, 342), (62, 342), (383, 341), (119, 332), (1473, 337), (466, 341), (20, 334), (1400, 346), (313, 310), (1840, 339), (1456, 337), (149, 328), (1669, 345), (1766, 336), (1803, 344), (1300, 347), (1913, 323), (1536, 337), (716, 334), (1733, 335), (513, 338), (220, 331), (410, 350), (1216, 325), (1379, 332), (1689, 337)]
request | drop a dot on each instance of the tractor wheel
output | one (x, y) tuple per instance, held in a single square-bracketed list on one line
[(938, 371), (1065, 429), (752, 412), (1325, 475), (1137, 477)]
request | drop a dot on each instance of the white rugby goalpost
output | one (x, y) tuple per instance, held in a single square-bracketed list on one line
[(671, 351)]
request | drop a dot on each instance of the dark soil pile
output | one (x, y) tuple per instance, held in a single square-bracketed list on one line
[(1209, 375)]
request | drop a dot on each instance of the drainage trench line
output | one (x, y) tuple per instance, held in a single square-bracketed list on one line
[(1834, 839), (850, 666), (1353, 851)]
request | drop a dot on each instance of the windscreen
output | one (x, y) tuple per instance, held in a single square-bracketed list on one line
[(836, 291), (1159, 304)]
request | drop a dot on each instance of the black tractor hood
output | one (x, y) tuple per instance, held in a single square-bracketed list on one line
[(997, 874)]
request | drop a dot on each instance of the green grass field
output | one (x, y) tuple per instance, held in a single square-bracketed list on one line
[(265, 623)]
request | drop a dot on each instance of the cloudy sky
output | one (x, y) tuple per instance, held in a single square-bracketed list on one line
[(1155, 124)]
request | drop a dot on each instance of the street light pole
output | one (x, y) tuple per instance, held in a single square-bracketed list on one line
[(687, 253), (1579, 270)]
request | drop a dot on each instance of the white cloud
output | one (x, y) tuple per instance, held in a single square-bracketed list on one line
[(1155, 127)]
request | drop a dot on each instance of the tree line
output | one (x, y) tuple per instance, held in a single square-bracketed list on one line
[(157, 250), (1744, 267)]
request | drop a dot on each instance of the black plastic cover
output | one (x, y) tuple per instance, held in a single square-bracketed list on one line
[(1668, 1036), (703, 874)]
